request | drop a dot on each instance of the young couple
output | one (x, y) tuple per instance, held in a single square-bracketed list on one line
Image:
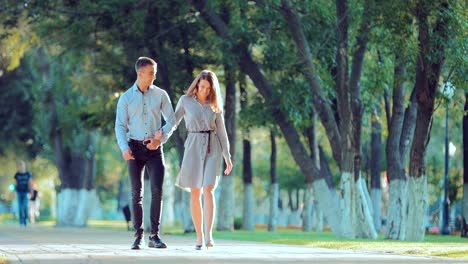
[(141, 138)]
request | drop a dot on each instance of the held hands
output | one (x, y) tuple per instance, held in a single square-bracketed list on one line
[(154, 143), (228, 166), (159, 134)]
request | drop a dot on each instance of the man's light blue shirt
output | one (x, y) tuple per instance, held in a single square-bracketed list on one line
[(139, 115)]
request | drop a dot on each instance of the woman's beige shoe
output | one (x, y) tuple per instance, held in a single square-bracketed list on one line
[(209, 243)]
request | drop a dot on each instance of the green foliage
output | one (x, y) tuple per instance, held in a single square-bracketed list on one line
[(16, 38), (17, 115), (80, 55), (289, 175)]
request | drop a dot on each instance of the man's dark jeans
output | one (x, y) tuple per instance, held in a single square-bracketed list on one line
[(22, 207), (153, 162)]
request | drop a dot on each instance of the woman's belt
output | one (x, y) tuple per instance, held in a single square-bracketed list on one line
[(205, 132)]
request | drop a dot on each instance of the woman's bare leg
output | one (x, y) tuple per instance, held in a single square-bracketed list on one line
[(196, 210), (208, 210)]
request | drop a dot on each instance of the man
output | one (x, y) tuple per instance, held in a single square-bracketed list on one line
[(140, 138), (23, 181)]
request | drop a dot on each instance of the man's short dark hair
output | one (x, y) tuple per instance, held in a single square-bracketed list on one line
[(144, 61)]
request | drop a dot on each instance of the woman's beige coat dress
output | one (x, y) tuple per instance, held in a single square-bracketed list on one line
[(201, 164)]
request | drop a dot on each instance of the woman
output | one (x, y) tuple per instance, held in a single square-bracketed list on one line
[(206, 144), (33, 203)]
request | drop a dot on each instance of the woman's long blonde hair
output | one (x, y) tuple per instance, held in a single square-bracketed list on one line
[(214, 98)]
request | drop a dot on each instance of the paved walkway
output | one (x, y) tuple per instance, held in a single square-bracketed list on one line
[(50, 245)]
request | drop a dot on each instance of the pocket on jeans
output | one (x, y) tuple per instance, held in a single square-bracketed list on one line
[(136, 151)]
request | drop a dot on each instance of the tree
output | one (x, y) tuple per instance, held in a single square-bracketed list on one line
[(375, 158), (248, 205), (431, 57), (250, 67), (465, 166), (274, 188)]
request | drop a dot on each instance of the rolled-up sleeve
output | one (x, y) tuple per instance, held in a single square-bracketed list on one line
[(169, 117), (222, 134), (121, 123)]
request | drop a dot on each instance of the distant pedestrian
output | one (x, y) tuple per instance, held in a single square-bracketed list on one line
[(33, 203), (23, 183)]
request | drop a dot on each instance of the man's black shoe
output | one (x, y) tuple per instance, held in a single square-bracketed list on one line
[(138, 243), (155, 242)]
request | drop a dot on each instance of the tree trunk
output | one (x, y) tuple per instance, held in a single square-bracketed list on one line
[(274, 187), (396, 210), (248, 214), (416, 208), (77, 196), (307, 216), (465, 167), (376, 156), (364, 221), (318, 217), (249, 203), (226, 206), (168, 210), (329, 204), (395, 166), (427, 78), (364, 211), (401, 124), (417, 185), (186, 216)]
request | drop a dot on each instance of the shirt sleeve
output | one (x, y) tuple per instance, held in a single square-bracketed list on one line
[(121, 123), (222, 135), (180, 111), (169, 117)]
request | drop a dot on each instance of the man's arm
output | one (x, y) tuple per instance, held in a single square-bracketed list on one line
[(121, 124)]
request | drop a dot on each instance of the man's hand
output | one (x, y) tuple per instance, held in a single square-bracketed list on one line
[(128, 155), (153, 144)]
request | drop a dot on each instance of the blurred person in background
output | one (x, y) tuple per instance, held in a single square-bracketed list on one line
[(23, 180), (33, 203)]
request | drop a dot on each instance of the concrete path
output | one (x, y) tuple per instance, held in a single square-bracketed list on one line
[(50, 245)]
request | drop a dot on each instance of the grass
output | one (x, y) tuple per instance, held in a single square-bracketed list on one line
[(434, 245), (6, 218)]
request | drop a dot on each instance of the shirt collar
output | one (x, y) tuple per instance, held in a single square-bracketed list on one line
[(135, 87)]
